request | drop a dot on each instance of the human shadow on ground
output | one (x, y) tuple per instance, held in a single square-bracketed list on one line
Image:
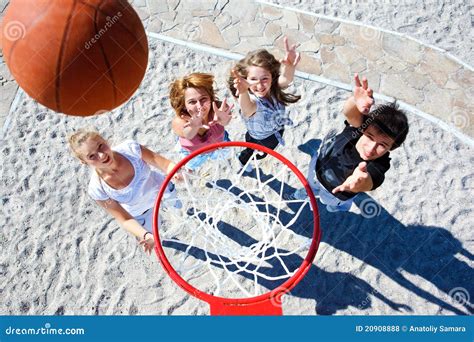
[(377, 238), (380, 240), (331, 291)]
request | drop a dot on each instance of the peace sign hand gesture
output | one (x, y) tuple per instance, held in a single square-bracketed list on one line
[(222, 114), (363, 95), (292, 57)]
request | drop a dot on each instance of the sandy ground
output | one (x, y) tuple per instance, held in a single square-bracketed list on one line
[(62, 254), (409, 251), (444, 24)]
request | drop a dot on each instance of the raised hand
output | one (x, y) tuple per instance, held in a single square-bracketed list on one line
[(240, 83), (292, 57), (363, 95), (222, 114), (194, 121), (357, 182)]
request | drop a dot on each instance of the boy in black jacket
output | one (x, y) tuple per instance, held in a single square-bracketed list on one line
[(356, 159)]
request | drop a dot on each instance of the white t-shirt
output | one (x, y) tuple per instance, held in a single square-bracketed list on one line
[(138, 196)]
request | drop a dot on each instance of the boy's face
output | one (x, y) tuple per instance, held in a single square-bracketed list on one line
[(373, 144)]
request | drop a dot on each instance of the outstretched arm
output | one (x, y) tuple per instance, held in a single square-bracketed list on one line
[(156, 160), (289, 64), (247, 106), (359, 181), (129, 223), (359, 103)]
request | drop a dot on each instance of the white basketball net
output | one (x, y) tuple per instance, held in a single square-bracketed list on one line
[(237, 234)]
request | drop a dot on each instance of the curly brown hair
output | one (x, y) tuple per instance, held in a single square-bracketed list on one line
[(264, 59), (195, 80)]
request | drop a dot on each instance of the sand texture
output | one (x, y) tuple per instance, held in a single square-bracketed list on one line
[(406, 251)]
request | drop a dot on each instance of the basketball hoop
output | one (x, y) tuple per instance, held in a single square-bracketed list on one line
[(237, 240)]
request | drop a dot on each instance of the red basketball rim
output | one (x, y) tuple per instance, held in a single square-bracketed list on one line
[(283, 288)]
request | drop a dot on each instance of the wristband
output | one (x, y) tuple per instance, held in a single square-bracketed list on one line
[(144, 235)]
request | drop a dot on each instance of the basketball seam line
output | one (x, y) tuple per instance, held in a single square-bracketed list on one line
[(104, 55), (118, 22), (60, 57)]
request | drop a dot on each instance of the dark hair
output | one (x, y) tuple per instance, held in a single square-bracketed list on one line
[(264, 59), (388, 119)]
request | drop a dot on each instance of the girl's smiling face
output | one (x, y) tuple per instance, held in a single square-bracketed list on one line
[(260, 81), (96, 152), (197, 100)]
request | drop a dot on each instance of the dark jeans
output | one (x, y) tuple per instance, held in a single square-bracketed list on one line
[(270, 142)]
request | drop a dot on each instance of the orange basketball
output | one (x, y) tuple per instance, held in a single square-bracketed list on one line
[(75, 57)]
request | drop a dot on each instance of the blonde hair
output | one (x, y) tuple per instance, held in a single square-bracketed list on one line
[(264, 59), (195, 80), (78, 138)]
